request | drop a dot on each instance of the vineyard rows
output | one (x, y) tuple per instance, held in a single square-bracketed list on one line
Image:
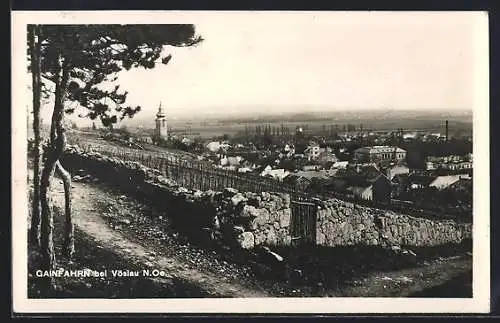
[(203, 175)]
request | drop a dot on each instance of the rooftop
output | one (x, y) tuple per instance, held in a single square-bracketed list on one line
[(380, 149)]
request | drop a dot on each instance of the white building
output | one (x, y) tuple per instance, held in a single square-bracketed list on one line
[(313, 151), (379, 153)]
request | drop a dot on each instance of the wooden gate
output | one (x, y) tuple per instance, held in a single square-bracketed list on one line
[(303, 223)]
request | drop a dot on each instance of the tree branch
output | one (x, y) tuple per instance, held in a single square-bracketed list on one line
[(52, 79)]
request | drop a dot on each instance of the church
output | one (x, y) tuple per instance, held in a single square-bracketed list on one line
[(161, 124)]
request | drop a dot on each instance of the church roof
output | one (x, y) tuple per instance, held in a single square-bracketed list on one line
[(160, 113)]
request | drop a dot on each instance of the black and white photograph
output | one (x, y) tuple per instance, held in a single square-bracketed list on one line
[(291, 162)]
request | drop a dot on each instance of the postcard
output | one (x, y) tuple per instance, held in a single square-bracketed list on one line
[(250, 162)]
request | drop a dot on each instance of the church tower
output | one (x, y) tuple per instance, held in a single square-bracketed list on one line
[(161, 124)]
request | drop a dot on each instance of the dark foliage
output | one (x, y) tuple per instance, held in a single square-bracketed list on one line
[(94, 54)]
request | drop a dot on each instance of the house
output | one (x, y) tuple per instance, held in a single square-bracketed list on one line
[(362, 192), (215, 146), (279, 174), (463, 185), (231, 161), (186, 141), (229, 167), (340, 165), (458, 165), (411, 135), (326, 157), (451, 162), (298, 181), (317, 180), (400, 184), (367, 183), (288, 151), (444, 159), (430, 165), (146, 139), (442, 182), (248, 164), (263, 168), (416, 181), (379, 153), (328, 165), (311, 167), (377, 189), (393, 170), (314, 151)]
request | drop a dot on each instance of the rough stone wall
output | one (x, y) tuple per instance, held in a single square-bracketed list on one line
[(343, 223), (264, 219), (230, 217), (247, 219)]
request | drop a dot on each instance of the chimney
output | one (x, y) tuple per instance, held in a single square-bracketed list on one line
[(446, 138)]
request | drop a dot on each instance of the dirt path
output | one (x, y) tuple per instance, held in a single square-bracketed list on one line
[(88, 218), (100, 212), (415, 282)]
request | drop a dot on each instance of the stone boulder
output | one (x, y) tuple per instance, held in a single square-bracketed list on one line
[(285, 198), (229, 192), (237, 199), (265, 196), (245, 240), (249, 211), (284, 217), (254, 201)]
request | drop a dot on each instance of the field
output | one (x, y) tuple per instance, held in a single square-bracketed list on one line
[(315, 124), (460, 123)]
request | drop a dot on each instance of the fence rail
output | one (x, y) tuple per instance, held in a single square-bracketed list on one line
[(191, 173), (202, 175)]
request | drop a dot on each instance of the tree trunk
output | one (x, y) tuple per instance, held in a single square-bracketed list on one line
[(36, 88), (69, 240), (47, 222), (54, 151)]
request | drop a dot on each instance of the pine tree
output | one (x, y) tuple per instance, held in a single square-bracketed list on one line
[(77, 59)]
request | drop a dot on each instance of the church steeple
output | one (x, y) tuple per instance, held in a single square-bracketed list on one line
[(160, 113), (161, 123)]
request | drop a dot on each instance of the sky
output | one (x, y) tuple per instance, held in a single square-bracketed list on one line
[(281, 62)]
